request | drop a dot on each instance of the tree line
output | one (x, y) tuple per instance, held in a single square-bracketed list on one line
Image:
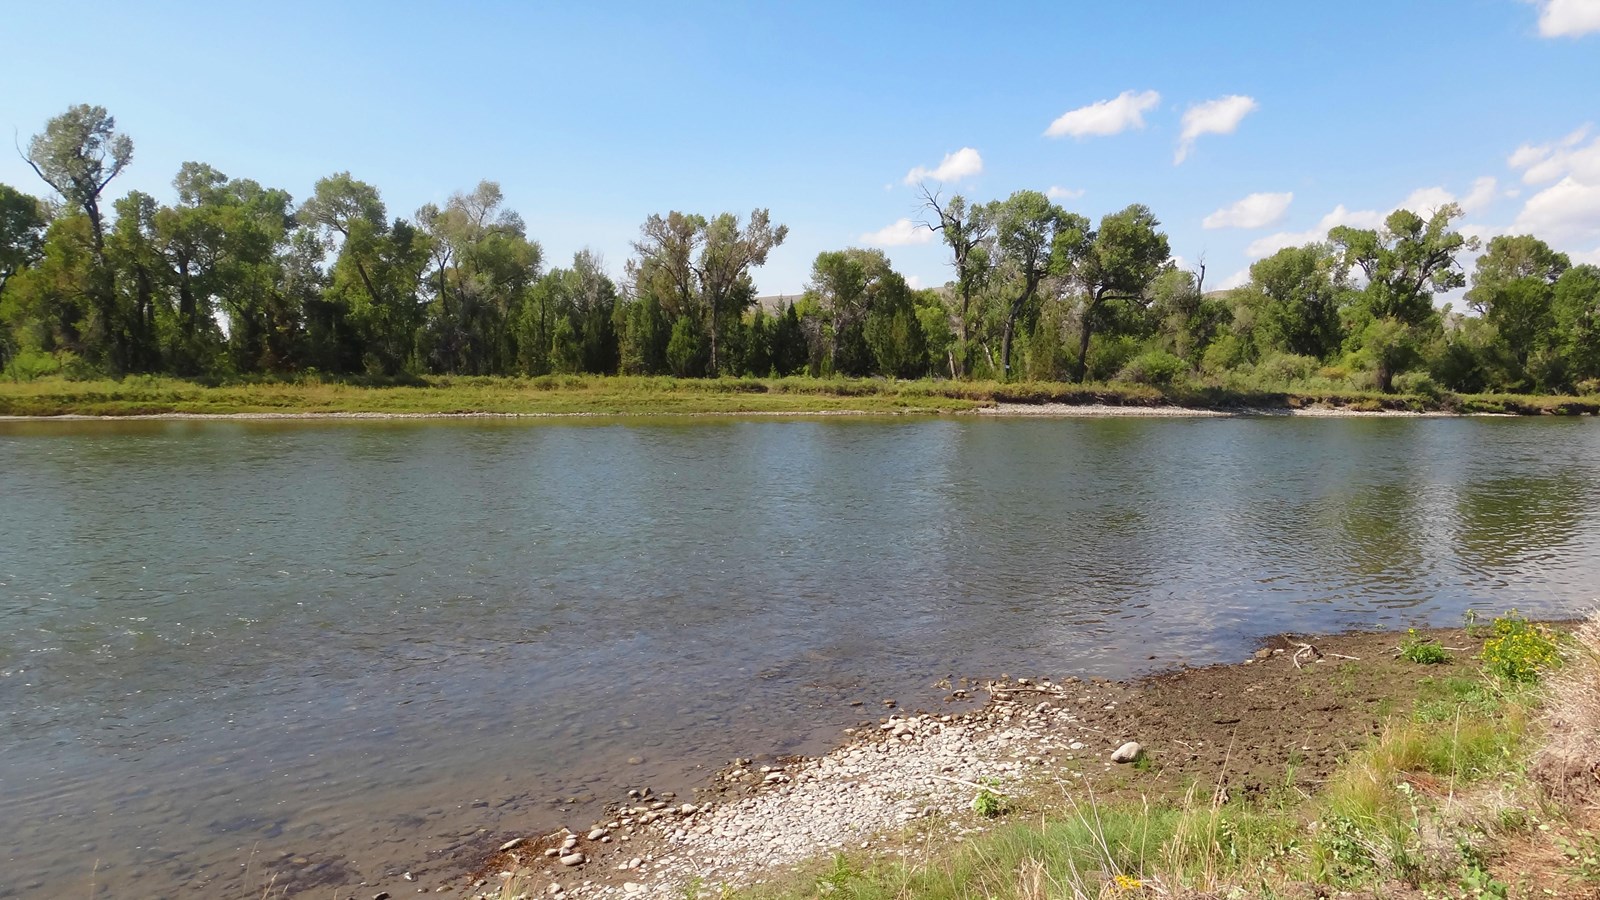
[(229, 278)]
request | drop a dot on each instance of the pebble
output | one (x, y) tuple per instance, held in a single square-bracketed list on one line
[(596, 834), (508, 845), (573, 859)]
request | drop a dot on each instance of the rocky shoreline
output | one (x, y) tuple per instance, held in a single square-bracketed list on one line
[(905, 784)]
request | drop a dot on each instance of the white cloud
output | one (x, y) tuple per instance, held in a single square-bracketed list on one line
[(1565, 213), (1105, 118), (1592, 258), (1481, 195), (902, 233), (1060, 193), (1219, 116), (1237, 279), (954, 167), (1568, 18), (1272, 243), (1423, 201), (1550, 162), (1254, 211), (914, 282)]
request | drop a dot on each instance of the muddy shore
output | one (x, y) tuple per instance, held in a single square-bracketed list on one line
[(903, 781)]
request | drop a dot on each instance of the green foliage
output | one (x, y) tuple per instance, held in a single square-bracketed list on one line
[(988, 804), (1422, 650), (686, 354), (1156, 367), (1519, 650)]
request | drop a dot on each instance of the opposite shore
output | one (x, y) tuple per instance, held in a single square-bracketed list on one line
[(596, 396)]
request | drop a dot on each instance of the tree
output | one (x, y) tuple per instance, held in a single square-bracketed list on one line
[(78, 154), (1576, 303), (1117, 262), (848, 285), (726, 258), (371, 308), (1026, 230), (1405, 263), (965, 231), (701, 268), (1298, 291), (1513, 287), (483, 265), (22, 225)]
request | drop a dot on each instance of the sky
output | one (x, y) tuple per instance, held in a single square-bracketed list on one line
[(1245, 126)]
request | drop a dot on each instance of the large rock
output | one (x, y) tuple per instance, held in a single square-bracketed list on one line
[(1127, 753)]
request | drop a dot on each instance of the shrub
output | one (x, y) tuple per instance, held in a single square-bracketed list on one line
[(1520, 651), (1418, 383), (1286, 368), (1422, 650), (1157, 367), (30, 365)]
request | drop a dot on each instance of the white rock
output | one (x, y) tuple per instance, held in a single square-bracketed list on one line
[(1127, 753), (573, 859)]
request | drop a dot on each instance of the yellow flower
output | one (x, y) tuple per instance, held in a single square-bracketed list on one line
[(1128, 883)]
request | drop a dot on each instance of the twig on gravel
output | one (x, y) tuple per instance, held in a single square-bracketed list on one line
[(971, 784)]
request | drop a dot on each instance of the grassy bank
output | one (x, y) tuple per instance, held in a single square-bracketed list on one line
[(1479, 789), (625, 395)]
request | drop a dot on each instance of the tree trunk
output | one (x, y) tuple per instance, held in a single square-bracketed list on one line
[(1086, 331)]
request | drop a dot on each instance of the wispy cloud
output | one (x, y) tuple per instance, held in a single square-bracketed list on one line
[(1254, 211), (1106, 117), (901, 233), (1219, 116), (1056, 192), (963, 163)]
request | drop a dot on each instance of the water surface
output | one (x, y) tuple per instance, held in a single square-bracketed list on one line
[(330, 650)]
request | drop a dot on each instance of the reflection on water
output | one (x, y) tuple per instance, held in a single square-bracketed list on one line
[(355, 643)]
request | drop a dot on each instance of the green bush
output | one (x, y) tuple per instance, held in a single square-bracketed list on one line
[(31, 365), (1287, 368), (1419, 383), (1520, 651), (1422, 650), (1156, 367)]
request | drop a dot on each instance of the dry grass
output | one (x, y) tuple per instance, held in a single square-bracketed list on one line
[(1568, 764)]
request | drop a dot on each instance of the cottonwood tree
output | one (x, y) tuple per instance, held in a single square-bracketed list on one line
[(1116, 262), (78, 154), (1028, 229), (965, 230), (1405, 263), (1297, 293), (1513, 288), (700, 268)]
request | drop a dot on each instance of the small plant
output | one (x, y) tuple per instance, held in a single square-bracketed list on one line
[(1520, 651), (1422, 650), (1582, 853), (989, 803)]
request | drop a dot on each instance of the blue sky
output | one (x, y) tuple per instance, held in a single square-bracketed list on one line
[(593, 116)]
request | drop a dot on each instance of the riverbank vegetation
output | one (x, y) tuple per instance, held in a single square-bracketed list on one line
[(230, 280), (665, 395), (1483, 788)]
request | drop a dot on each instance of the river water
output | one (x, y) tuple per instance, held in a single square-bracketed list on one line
[(304, 654)]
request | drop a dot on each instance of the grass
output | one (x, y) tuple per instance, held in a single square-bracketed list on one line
[(1451, 799), (633, 395)]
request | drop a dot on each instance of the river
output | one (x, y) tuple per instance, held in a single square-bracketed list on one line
[(242, 655)]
